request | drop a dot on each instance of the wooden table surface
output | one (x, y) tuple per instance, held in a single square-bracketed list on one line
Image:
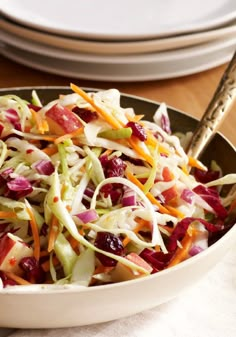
[(190, 94)]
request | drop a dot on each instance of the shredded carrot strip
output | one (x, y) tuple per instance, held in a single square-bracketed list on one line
[(35, 232), (174, 211), (135, 181), (232, 206), (53, 232), (73, 242), (135, 118), (100, 270), (140, 224), (107, 153), (46, 265), (47, 138), (135, 145), (50, 150), (81, 231), (44, 253), (41, 123), (182, 253), (72, 134), (109, 119), (196, 163), (5, 214), (34, 141), (16, 278), (168, 229), (152, 141)]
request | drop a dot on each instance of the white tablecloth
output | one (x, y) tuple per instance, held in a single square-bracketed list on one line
[(206, 310)]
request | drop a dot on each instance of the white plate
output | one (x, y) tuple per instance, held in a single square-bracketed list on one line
[(108, 47), (161, 68), (120, 20), (117, 60)]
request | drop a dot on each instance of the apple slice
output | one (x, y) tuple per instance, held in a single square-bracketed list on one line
[(12, 250), (62, 120), (123, 273)]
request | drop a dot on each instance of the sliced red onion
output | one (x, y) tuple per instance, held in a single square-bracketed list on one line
[(44, 167), (12, 115), (13, 118), (6, 173), (211, 196), (187, 195), (18, 188), (194, 250), (1, 129), (34, 107), (129, 197), (18, 184), (89, 192), (165, 123), (89, 215)]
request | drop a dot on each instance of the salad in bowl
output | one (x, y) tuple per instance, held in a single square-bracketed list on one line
[(94, 194)]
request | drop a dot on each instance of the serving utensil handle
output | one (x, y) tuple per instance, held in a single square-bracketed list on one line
[(216, 111)]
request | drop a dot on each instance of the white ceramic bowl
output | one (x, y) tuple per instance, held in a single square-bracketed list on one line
[(67, 306)]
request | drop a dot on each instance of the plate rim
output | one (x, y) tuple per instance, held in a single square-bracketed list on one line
[(209, 23)]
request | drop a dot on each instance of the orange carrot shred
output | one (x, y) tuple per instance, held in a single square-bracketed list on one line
[(44, 253), (140, 225), (72, 134), (50, 150), (46, 264), (196, 163), (35, 232), (135, 118), (5, 214), (174, 211), (16, 278), (108, 118), (182, 253), (135, 181), (41, 123), (152, 141), (232, 206), (107, 153), (135, 145)]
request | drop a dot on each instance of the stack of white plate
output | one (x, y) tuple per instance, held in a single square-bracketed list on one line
[(122, 40)]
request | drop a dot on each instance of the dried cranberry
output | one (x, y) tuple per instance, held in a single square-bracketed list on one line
[(206, 176), (137, 130), (34, 272), (104, 161), (85, 114), (106, 190), (109, 243), (44, 229)]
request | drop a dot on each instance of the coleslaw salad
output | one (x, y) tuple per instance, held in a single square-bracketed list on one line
[(92, 193)]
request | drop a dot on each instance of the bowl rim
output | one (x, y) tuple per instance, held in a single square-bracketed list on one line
[(71, 288)]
